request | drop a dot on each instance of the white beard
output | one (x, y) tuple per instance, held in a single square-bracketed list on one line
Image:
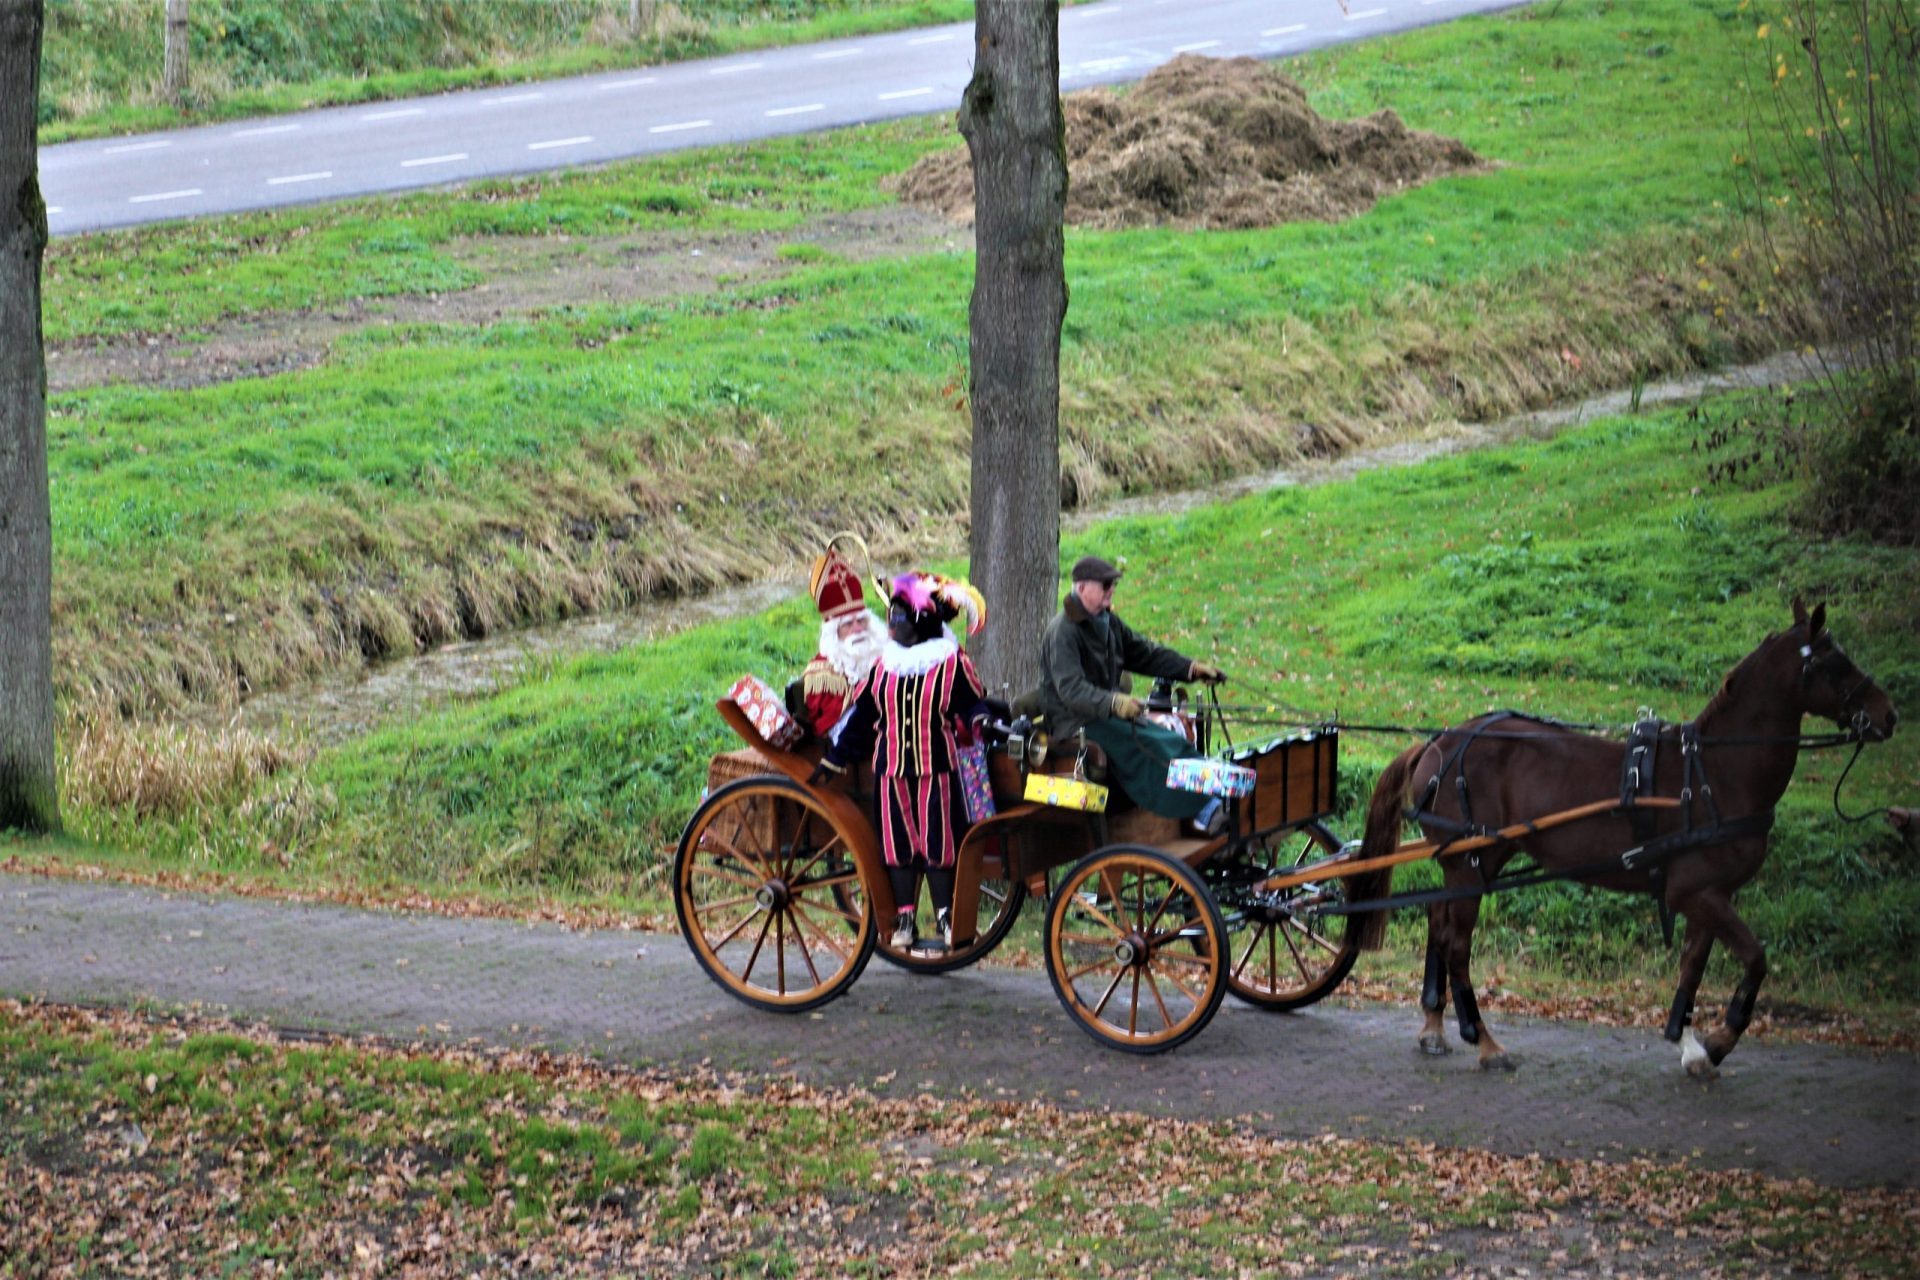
[(854, 656)]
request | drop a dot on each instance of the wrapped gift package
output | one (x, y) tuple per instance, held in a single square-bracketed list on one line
[(1063, 791), (1210, 777), (767, 712), (1173, 721), (976, 785)]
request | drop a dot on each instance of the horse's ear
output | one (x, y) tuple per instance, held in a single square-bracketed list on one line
[(1799, 611), (1817, 623)]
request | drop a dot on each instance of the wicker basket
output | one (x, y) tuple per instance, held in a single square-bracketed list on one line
[(731, 766)]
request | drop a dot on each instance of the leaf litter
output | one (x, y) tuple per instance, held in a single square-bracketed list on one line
[(270, 1155)]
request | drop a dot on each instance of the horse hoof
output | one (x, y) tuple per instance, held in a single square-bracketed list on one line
[(1497, 1062), (1702, 1069), (1435, 1046)]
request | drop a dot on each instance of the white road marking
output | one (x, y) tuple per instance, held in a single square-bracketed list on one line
[(1104, 64), (560, 142), (1195, 47), (264, 130), (517, 97), (395, 115), (940, 39), (164, 195), (1284, 31), (1365, 14), (838, 53), (736, 69), (905, 93), (629, 84), (447, 159), (684, 124), (798, 111), (133, 146), (54, 208), (299, 177)]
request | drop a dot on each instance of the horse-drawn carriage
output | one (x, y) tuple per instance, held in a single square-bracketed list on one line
[(778, 882), (778, 879)]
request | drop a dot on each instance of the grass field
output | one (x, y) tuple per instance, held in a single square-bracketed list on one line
[(1582, 577), (428, 481), (214, 1150), (101, 62)]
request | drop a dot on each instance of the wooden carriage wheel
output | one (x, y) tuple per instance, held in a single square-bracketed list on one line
[(1134, 947), (1285, 956), (769, 896)]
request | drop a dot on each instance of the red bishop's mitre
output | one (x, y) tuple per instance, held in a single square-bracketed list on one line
[(835, 586)]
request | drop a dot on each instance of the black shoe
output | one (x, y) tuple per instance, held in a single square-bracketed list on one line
[(943, 925)]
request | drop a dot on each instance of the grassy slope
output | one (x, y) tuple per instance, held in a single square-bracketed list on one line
[(431, 480), (209, 1150), (1581, 578), (101, 60)]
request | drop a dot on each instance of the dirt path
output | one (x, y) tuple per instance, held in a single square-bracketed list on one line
[(1837, 1116), (522, 276)]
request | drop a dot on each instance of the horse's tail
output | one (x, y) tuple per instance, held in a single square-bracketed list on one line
[(1382, 837)]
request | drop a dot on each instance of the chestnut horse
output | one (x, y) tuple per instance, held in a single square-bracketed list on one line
[(1730, 767)]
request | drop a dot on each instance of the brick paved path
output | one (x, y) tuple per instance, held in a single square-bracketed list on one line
[(1837, 1116)]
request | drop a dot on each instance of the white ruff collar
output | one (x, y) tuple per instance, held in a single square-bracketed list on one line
[(918, 660)]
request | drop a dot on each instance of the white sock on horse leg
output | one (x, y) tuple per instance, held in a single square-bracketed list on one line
[(1691, 1050)]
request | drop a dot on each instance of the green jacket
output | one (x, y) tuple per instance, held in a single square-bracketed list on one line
[(1079, 671)]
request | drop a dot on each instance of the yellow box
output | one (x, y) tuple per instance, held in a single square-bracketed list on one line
[(1063, 791)]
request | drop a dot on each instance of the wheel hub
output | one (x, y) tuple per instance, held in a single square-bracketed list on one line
[(773, 895), (1132, 950)]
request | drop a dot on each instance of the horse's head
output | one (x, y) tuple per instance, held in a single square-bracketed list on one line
[(1831, 685)]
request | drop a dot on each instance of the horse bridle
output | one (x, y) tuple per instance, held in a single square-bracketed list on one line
[(1827, 664)]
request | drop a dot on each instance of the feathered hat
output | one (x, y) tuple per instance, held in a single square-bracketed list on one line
[(938, 596)]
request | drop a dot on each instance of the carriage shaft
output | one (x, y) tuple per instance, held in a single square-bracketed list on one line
[(1341, 865)]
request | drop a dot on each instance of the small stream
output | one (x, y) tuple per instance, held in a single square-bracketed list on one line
[(335, 708)]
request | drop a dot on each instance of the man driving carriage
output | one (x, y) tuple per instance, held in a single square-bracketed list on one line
[(1083, 654)]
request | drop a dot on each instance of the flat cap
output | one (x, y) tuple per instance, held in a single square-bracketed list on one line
[(1094, 569)]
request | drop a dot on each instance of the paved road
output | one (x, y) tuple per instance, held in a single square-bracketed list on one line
[(1841, 1117), (455, 137)]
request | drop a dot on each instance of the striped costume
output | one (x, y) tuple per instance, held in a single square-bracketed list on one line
[(905, 712)]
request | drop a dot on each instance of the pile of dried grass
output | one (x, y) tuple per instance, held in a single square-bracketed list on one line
[(1204, 142), (162, 770)]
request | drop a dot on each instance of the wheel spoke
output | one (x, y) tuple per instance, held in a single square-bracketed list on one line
[(759, 942), (1258, 931), (1084, 970), (800, 940), (1299, 962), (825, 937), (1133, 1005), (1313, 937), (1181, 987), (1166, 1018), (1111, 988), (758, 865), (723, 873), (723, 905), (780, 950), (1168, 935), (818, 854), (715, 945), (1083, 905)]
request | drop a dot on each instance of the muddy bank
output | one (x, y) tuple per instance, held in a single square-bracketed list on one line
[(334, 709)]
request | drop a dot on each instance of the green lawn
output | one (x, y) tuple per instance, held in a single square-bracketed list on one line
[(426, 481)]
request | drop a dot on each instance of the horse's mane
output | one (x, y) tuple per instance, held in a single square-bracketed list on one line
[(1725, 693)]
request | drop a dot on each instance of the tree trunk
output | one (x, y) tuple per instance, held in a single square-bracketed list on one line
[(1011, 118), (27, 795), (173, 76)]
